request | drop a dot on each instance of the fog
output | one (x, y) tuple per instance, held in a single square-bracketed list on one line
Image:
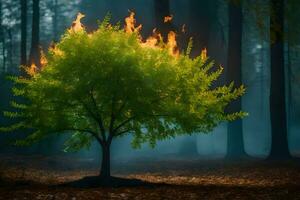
[(255, 69)]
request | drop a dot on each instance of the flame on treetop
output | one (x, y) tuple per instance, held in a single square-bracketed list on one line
[(168, 18), (43, 59), (172, 44), (56, 51), (204, 54), (76, 25), (153, 40), (130, 24), (31, 70)]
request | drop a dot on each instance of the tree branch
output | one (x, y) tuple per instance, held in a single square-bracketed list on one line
[(122, 132), (99, 118), (123, 123), (131, 118), (112, 116), (160, 98), (94, 134)]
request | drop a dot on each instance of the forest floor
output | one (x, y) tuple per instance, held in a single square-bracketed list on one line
[(38, 177)]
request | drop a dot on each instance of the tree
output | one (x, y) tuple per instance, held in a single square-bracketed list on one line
[(2, 38), (108, 83), (23, 32), (235, 142), (279, 146), (292, 30), (34, 56), (202, 17), (54, 20)]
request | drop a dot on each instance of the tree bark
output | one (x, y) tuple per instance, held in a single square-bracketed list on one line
[(54, 20), (35, 51), (279, 146), (2, 39), (235, 141), (10, 49), (105, 164), (161, 10), (23, 32), (202, 16)]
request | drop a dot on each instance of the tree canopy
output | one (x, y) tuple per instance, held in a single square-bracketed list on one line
[(111, 82)]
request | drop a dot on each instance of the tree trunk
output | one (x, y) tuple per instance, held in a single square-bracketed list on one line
[(3, 52), (35, 51), (2, 39), (161, 10), (279, 146), (202, 16), (10, 49), (23, 32), (235, 142), (290, 111), (54, 20), (105, 165)]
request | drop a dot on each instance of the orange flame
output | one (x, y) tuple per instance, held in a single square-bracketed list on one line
[(43, 59), (156, 38), (56, 51), (32, 70), (76, 25), (153, 40), (204, 54), (172, 43), (168, 18), (130, 24)]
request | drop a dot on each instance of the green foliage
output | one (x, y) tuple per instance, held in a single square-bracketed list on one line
[(108, 83)]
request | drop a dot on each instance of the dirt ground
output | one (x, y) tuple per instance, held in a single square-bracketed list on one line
[(38, 177)]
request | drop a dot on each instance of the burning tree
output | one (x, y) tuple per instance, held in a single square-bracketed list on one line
[(111, 82)]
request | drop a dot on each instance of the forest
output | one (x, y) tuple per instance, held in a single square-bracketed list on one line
[(149, 99)]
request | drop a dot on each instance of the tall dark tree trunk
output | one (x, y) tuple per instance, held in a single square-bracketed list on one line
[(235, 142), (10, 49), (289, 86), (2, 38), (54, 20), (105, 165), (202, 17), (161, 10), (279, 146), (3, 52), (23, 32), (35, 51)]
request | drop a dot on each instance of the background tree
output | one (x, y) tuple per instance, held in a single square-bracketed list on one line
[(279, 146), (203, 15), (35, 37), (2, 38), (54, 19), (235, 141), (108, 83), (292, 41), (23, 32), (163, 17)]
